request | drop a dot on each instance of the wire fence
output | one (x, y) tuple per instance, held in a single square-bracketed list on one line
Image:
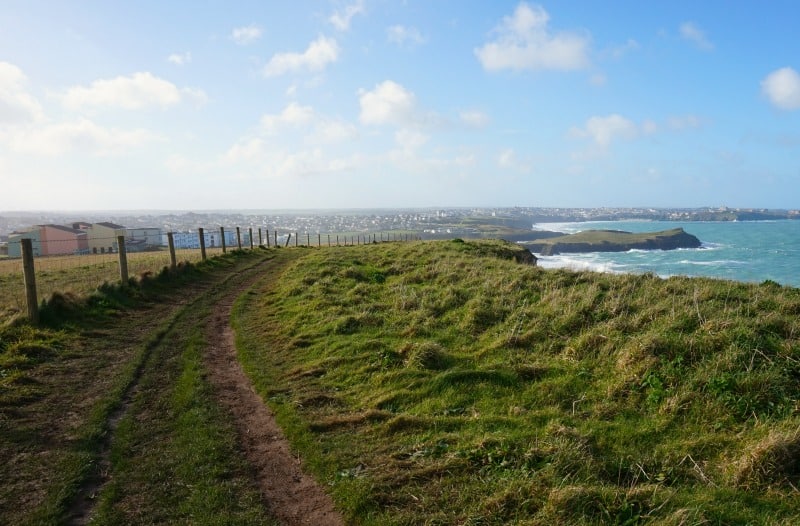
[(70, 266)]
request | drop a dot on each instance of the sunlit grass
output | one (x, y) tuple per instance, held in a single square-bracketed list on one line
[(437, 383), (81, 275)]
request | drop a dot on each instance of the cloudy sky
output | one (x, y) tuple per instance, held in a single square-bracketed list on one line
[(388, 103)]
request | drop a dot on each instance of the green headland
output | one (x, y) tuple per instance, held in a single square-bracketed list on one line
[(614, 241)]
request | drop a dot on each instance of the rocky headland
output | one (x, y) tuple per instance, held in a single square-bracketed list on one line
[(613, 241)]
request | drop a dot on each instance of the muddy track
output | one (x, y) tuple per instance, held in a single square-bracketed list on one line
[(292, 496), (80, 511), (289, 494)]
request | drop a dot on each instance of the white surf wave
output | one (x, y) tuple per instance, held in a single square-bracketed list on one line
[(714, 263), (578, 264)]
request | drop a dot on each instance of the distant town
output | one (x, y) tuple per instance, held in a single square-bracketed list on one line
[(58, 233)]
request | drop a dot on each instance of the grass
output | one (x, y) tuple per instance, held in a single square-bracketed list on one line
[(442, 383), (80, 275), (135, 349), (422, 383)]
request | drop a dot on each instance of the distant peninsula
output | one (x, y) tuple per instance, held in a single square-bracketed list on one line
[(613, 241)]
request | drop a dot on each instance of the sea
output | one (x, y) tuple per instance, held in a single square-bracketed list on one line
[(748, 251)]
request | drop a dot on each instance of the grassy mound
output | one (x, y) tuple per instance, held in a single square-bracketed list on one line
[(445, 383)]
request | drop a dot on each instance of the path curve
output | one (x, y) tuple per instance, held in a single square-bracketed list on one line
[(292, 496)]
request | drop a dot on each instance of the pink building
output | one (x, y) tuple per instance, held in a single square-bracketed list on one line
[(60, 240)]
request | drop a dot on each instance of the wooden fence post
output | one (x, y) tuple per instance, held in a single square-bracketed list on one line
[(329, 240), (239, 237), (260, 239), (201, 237), (276, 237), (319, 239), (288, 238), (123, 260), (268, 238), (29, 273), (296, 236), (308, 239), (251, 238), (173, 262), (222, 237)]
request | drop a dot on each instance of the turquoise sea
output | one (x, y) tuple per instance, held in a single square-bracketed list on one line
[(752, 251)]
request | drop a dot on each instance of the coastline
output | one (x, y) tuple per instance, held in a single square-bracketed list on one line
[(744, 251)]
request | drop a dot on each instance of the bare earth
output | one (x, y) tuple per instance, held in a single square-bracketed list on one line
[(292, 496)]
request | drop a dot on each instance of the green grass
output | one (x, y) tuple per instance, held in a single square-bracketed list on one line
[(442, 383), (173, 456), (80, 275), (422, 383)]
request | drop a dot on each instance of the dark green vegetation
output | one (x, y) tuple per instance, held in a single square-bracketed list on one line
[(113, 384), (442, 383), (614, 241), (423, 383)]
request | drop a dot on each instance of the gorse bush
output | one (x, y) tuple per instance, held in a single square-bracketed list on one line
[(524, 395)]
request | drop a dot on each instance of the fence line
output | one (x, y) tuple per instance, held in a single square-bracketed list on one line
[(82, 272)]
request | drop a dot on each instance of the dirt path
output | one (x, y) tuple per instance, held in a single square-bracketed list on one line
[(292, 496)]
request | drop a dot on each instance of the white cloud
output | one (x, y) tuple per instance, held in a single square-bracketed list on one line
[(507, 159), (474, 118), (135, 92), (388, 103), (81, 135), (245, 150), (689, 31), (246, 34), (179, 59), (16, 105), (319, 54), (197, 95), (619, 51), (404, 36), (296, 116), (331, 131), (341, 19), (604, 130), (293, 115), (524, 42), (649, 127), (410, 140), (782, 88)]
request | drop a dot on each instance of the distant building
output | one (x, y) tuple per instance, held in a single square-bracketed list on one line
[(192, 239), (61, 240), (139, 239), (15, 247), (102, 236)]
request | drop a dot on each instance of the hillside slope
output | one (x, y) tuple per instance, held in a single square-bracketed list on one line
[(437, 383)]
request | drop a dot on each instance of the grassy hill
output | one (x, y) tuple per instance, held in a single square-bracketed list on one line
[(437, 382)]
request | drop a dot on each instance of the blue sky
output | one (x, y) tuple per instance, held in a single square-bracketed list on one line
[(377, 103)]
